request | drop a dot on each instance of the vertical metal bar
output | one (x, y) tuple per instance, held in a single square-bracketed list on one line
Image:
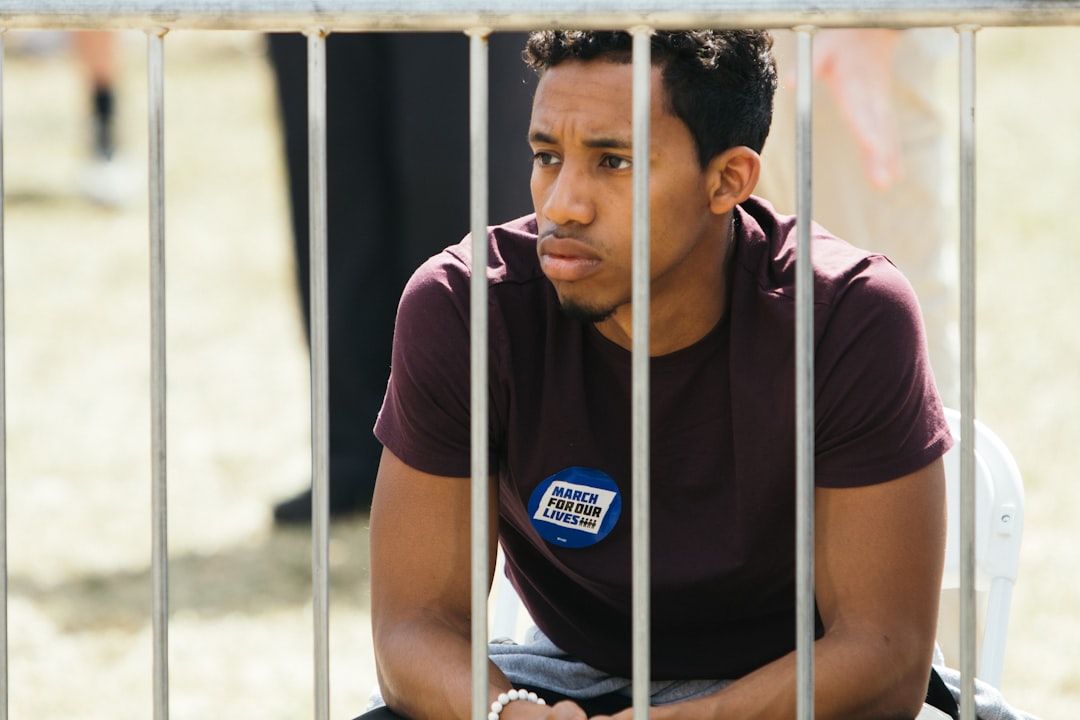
[(319, 343), (642, 94), (804, 381), (160, 554), (967, 371), (478, 366), (3, 426)]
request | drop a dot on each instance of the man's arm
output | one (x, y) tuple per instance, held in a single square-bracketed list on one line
[(879, 552), (420, 590), (420, 596)]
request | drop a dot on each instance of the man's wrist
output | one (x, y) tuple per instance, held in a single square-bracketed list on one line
[(504, 699)]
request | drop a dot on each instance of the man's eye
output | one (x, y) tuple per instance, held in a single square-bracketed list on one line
[(544, 159), (614, 162)]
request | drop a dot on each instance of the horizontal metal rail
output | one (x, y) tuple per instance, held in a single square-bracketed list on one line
[(497, 15)]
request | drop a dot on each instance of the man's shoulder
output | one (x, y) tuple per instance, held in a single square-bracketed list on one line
[(511, 250), (769, 248), (442, 284)]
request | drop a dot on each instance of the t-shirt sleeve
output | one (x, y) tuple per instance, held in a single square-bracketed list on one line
[(424, 418), (879, 415)]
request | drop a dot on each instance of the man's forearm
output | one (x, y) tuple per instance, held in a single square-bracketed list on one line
[(425, 670), (853, 678)]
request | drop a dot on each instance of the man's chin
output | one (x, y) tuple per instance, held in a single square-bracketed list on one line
[(586, 313)]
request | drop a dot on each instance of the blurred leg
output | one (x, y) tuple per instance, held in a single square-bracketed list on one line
[(398, 143), (431, 151), (97, 52), (363, 277), (104, 180)]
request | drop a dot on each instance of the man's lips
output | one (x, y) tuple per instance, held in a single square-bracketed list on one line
[(566, 259)]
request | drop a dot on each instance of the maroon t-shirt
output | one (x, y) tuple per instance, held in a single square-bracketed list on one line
[(722, 448)]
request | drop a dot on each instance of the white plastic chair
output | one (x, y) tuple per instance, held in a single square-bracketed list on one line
[(504, 606), (999, 524)]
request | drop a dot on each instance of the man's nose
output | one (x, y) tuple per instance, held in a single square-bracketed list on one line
[(569, 198)]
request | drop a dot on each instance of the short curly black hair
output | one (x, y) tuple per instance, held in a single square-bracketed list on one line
[(719, 82)]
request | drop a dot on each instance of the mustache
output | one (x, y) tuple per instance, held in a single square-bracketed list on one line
[(568, 232)]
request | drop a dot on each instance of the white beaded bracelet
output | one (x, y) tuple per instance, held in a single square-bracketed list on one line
[(509, 697)]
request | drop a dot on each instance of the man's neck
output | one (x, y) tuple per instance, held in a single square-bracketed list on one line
[(684, 312)]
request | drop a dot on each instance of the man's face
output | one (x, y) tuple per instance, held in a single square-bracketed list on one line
[(581, 135)]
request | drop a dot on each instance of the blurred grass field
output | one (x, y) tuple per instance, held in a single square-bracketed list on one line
[(77, 408)]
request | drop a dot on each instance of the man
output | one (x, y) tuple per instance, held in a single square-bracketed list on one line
[(722, 424)]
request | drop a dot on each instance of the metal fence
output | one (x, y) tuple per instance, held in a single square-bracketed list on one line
[(478, 20)]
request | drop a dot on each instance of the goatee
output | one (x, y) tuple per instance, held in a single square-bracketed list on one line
[(586, 314)]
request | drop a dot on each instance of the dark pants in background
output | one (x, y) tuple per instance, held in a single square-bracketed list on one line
[(398, 192)]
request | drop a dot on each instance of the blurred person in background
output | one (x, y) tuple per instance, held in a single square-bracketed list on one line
[(880, 163), (104, 179), (398, 192)]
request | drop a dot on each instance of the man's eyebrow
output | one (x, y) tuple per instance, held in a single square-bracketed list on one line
[(612, 143), (538, 136)]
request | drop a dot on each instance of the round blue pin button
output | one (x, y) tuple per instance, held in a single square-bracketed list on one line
[(576, 507)]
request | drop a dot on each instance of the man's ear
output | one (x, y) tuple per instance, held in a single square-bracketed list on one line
[(732, 177)]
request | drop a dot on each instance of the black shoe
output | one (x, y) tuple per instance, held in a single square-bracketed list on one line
[(297, 510)]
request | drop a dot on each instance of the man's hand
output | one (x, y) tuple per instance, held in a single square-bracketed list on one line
[(564, 710)]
